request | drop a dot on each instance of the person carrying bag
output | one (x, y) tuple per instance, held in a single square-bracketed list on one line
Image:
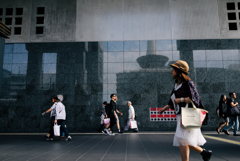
[(184, 92)]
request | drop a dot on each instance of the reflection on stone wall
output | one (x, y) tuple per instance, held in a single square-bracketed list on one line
[(86, 73), (24, 95)]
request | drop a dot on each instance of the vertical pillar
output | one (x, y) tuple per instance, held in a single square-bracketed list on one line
[(34, 68)]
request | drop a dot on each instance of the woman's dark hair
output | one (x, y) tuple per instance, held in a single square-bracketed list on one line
[(221, 99), (55, 97), (181, 77), (104, 103), (231, 94)]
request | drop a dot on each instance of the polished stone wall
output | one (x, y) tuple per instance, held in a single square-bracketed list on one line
[(86, 73)]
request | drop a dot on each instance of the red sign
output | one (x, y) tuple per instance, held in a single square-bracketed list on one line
[(168, 115)]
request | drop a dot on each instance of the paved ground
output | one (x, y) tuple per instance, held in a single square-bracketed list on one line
[(124, 147)]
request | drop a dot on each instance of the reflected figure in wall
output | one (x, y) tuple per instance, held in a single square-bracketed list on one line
[(185, 92)]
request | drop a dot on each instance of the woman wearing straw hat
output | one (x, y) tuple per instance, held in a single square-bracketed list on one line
[(184, 92)]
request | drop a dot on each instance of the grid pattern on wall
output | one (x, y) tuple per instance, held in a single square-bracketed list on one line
[(13, 18), (233, 15)]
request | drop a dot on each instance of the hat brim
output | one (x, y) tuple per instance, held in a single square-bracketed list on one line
[(177, 67)]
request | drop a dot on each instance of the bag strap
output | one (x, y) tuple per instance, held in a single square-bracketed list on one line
[(193, 105)]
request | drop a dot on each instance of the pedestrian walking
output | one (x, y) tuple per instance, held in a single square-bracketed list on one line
[(131, 118), (105, 120), (58, 116), (114, 111), (185, 92), (234, 122), (222, 113)]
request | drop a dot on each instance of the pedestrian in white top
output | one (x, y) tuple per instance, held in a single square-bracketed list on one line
[(59, 113), (131, 117), (52, 111)]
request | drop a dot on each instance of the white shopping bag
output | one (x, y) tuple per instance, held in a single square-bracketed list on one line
[(133, 124), (192, 117), (56, 129)]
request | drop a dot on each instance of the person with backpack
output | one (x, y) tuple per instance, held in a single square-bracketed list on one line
[(222, 113)]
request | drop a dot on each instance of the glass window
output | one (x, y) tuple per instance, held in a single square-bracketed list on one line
[(19, 48), (7, 58), (40, 10), (39, 30), (49, 58), (8, 48), (17, 30), (18, 21), (49, 68), (8, 21), (19, 11), (231, 6), (232, 16), (131, 56), (40, 20), (1, 11), (131, 46), (115, 46), (230, 55), (20, 58), (163, 45), (49, 63), (214, 55), (9, 11), (19, 68), (232, 26), (115, 56)]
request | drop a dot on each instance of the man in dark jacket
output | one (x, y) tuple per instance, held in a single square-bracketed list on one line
[(113, 112)]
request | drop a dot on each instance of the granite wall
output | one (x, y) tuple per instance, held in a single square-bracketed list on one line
[(86, 73)]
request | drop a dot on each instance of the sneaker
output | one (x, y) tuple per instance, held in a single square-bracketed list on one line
[(49, 139), (236, 135), (225, 132), (206, 154), (107, 132), (69, 138), (217, 130)]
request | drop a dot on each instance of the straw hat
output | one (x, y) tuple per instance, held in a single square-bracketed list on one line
[(181, 65)]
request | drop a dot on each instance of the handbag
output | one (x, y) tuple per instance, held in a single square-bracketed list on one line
[(192, 117), (56, 129), (106, 121), (133, 124), (235, 111)]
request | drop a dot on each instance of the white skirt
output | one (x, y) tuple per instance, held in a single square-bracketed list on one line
[(184, 136)]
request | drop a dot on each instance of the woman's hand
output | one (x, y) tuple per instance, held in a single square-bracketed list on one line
[(164, 109), (185, 99)]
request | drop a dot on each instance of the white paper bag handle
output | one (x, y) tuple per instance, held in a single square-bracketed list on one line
[(192, 105)]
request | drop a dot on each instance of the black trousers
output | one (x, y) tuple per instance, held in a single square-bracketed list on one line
[(51, 132), (63, 127)]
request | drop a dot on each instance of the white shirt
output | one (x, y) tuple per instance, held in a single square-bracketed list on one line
[(60, 111), (131, 112), (53, 111), (176, 106)]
